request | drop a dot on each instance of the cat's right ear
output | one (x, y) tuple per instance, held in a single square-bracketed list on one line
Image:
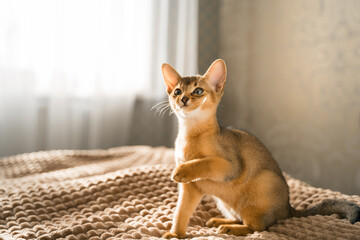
[(216, 75), (171, 77)]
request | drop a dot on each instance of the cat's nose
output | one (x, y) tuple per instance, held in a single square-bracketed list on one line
[(184, 99)]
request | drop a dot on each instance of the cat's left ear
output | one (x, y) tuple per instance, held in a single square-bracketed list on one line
[(171, 77), (216, 75)]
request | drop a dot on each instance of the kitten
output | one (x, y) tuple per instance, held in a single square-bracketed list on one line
[(231, 165)]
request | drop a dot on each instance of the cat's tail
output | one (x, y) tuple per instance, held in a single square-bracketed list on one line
[(343, 208)]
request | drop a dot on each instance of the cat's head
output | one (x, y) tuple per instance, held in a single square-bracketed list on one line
[(196, 95)]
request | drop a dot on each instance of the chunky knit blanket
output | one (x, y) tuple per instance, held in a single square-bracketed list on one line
[(126, 193)]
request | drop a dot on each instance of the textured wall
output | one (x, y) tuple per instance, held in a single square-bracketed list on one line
[(294, 81), (208, 41)]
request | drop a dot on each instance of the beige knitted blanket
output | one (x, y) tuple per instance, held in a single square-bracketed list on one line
[(126, 193)]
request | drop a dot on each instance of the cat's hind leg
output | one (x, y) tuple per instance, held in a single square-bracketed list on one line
[(228, 213), (253, 221), (216, 222), (234, 229)]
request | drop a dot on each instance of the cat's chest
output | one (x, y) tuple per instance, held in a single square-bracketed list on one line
[(190, 149)]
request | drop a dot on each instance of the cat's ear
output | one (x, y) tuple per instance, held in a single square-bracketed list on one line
[(171, 77), (216, 75)]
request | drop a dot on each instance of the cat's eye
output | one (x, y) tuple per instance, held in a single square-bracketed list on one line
[(177, 92), (198, 91)]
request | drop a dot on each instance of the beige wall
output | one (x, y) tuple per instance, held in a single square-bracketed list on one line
[(294, 81)]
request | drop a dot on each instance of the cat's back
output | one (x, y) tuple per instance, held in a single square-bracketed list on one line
[(245, 148), (240, 141)]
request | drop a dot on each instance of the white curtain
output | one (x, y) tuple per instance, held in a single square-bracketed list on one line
[(71, 70)]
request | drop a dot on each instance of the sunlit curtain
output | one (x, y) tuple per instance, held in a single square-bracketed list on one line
[(71, 70)]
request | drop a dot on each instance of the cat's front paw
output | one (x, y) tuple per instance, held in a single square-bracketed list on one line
[(182, 174), (169, 235)]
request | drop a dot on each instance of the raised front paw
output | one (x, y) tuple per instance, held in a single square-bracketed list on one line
[(183, 174), (169, 235)]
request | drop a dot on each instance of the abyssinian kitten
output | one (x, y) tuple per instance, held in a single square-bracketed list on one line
[(231, 165)]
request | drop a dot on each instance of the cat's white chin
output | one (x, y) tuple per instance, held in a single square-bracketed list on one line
[(193, 115), (183, 112), (187, 112), (185, 108)]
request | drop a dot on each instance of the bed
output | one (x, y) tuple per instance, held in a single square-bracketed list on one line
[(126, 193)]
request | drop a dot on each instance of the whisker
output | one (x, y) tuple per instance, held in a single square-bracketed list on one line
[(164, 106), (162, 103), (163, 111), (161, 108), (158, 109), (159, 104)]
